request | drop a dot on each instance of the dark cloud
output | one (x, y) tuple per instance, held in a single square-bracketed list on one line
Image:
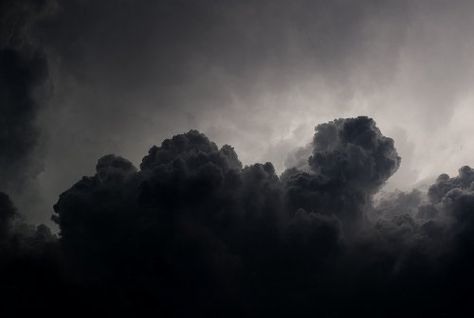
[(23, 90), (354, 152), (20, 73), (30, 267), (444, 184), (192, 231), (350, 161), (7, 212), (192, 226), (437, 229)]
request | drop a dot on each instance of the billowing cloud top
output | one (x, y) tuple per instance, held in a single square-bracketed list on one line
[(193, 231)]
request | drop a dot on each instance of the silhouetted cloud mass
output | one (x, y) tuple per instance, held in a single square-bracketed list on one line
[(192, 231), (350, 160)]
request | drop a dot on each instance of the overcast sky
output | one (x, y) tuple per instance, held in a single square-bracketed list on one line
[(258, 75)]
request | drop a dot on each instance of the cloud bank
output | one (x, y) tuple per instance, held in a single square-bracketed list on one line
[(193, 231)]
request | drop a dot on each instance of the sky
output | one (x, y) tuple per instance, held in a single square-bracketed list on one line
[(258, 76), (246, 156)]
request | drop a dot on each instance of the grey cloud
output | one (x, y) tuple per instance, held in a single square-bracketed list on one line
[(24, 89), (194, 231)]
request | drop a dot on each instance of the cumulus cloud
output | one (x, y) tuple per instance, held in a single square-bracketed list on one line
[(192, 230), (350, 161), (193, 227), (30, 269)]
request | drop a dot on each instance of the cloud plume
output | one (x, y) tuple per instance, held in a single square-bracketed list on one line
[(192, 230)]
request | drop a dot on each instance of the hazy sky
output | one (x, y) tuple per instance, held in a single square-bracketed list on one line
[(93, 213), (258, 75)]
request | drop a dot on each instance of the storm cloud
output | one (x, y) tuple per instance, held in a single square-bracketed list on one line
[(192, 230), (327, 224), (193, 227), (24, 88)]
